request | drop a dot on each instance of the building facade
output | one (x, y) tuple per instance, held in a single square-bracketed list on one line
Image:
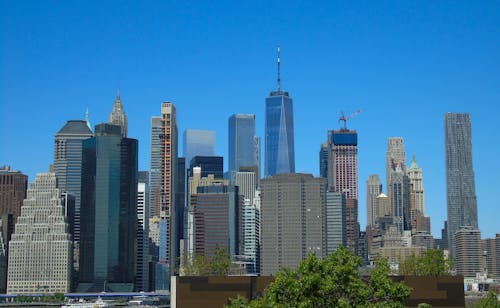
[(40, 251), (460, 183), (279, 130), (468, 252), (395, 156), (118, 116), (155, 166), (198, 142), (108, 211), (142, 266), (292, 220), (335, 221), (491, 248), (244, 145), (373, 190)]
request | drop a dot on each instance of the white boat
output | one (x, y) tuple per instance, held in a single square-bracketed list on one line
[(98, 303)]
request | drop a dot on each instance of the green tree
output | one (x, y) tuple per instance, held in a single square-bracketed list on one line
[(332, 282), (219, 264), (490, 301), (431, 263)]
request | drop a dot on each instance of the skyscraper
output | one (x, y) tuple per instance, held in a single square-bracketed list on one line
[(40, 249), (280, 148), (198, 142), (395, 155), (373, 190), (335, 222), (155, 166), (142, 265), (244, 147), (13, 186), (468, 251), (108, 211), (460, 184), (209, 165), (68, 170), (417, 186), (118, 116), (292, 220), (400, 199), (168, 209)]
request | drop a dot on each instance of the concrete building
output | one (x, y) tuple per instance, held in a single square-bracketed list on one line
[(491, 249), (335, 221), (395, 156), (292, 220), (460, 183), (118, 116), (197, 142), (13, 186), (142, 263), (244, 145), (279, 130), (373, 190), (468, 252), (400, 199), (108, 211), (40, 251), (155, 166)]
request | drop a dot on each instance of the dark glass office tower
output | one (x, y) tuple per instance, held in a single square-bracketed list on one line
[(209, 165), (279, 149), (108, 211), (460, 184), (244, 146)]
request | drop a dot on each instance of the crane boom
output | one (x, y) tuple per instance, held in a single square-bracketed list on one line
[(344, 118)]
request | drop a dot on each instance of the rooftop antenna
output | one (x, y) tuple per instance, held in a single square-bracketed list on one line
[(279, 80)]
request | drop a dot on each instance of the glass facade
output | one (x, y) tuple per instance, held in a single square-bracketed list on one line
[(198, 142), (243, 148), (108, 212), (280, 150)]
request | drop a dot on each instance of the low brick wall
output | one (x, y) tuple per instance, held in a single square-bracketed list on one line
[(208, 292)]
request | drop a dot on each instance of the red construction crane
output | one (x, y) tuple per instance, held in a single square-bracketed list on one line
[(344, 118)]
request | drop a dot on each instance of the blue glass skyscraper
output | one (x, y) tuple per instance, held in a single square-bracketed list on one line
[(279, 149), (244, 146)]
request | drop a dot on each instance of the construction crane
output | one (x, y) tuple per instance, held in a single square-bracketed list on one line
[(344, 118)]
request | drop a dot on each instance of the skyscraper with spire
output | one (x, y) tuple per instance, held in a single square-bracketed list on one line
[(118, 116), (279, 148)]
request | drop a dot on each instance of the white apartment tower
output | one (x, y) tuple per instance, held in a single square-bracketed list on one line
[(40, 250)]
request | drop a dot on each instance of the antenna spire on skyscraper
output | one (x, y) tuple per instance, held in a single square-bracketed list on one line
[(279, 80)]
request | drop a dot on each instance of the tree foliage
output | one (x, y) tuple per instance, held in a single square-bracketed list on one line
[(332, 282), (219, 264), (431, 263), (490, 301)]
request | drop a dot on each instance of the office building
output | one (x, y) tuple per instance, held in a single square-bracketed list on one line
[(118, 116), (279, 148), (395, 156), (155, 166), (335, 221), (68, 169), (491, 249), (244, 146), (373, 190), (292, 208), (460, 184), (40, 251), (248, 182), (142, 263), (468, 252), (13, 186), (197, 142), (400, 199), (180, 198), (216, 212), (108, 211), (209, 165), (169, 246)]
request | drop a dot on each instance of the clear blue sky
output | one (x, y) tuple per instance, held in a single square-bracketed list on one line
[(404, 63)]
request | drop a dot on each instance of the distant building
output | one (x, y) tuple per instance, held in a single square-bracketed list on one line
[(373, 190), (422, 239), (155, 166), (13, 186), (460, 184), (197, 142), (118, 116), (491, 249), (142, 267), (108, 211), (68, 169), (468, 252), (244, 145), (209, 165), (400, 199), (279, 130), (395, 156), (335, 222), (292, 220), (40, 251)]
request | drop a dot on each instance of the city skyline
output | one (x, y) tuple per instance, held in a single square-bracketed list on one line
[(405, 75)]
